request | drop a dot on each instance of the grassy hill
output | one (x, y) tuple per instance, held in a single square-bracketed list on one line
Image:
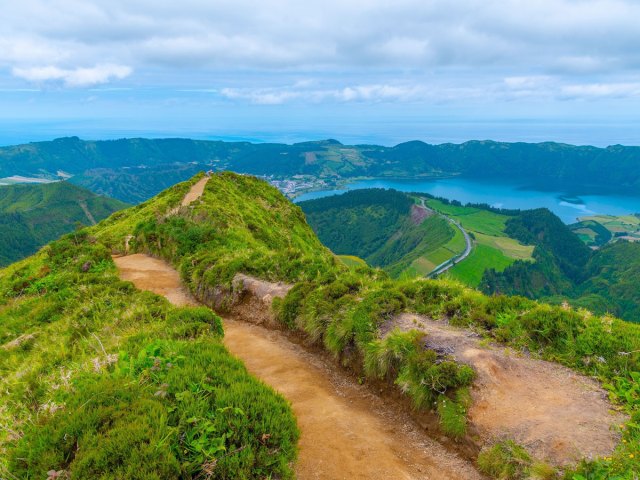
[(134, 169), (380, 227), (33, 215), (98, 380), (385, 228), (602, 280)]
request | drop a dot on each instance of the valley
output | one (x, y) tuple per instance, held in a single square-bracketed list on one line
[(33, 215)]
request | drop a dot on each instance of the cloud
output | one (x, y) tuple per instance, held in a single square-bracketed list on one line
[(352, 93), (602, 90), (350, 50), (551, 34), (77, 77)]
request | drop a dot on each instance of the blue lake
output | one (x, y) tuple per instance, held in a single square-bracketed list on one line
[(568, 206)]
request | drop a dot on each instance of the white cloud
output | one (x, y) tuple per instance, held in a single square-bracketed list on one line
[(374, 50), (602, 90), (352, 93), (77, 77)]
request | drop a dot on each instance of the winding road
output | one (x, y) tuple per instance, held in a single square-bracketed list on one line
[(443, 267)]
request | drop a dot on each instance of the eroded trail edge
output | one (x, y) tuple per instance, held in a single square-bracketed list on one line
[(346, 433)]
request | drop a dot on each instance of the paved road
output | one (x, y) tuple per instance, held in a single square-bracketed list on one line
[(443, 267)]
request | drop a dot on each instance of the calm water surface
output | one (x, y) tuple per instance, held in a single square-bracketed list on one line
[(568, 206)]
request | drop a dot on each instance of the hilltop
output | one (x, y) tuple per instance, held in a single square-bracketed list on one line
[(33, 215), (135, 169), (244, 250)]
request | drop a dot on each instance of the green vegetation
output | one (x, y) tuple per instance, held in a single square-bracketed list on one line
[(473, 219), (33, 215), (505, 461), (135, 169), (115, 349), (598, 230), (482, 258), (493, 249), (352, 261), (358, 222), (604, 280), (385, 228), (124, 385)]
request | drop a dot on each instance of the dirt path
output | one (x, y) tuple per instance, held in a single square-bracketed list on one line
[(556, 413), (346, 432), (195, 193)]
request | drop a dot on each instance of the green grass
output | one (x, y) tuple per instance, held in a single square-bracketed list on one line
[(244, 225), (473, 219), (99, 380), (352, 261), (33, 215), (482, 257), (508, 246)]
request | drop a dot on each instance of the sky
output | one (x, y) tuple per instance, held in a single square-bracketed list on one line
[(288, 70)]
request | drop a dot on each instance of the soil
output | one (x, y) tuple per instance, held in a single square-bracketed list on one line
[(556, 413), (419, 214), (346, 433), (195, 193)]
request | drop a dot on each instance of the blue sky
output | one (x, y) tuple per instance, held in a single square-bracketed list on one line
[(359, 71)]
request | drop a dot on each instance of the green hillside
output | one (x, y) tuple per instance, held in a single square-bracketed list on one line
[(493, 247), (385, 228), (33, 215), (98, 380), (602, 280), (134, 169), (392, 230)]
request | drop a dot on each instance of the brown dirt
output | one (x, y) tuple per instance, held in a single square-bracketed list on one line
[(148, 273), (347, 433), (559, 415), (419, 214), (195, 193)]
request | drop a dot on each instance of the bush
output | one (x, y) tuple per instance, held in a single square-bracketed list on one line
[(505, 461)]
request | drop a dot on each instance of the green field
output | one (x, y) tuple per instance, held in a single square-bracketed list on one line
[(597, 230), (473, 219), (482, 257), (492, 247)]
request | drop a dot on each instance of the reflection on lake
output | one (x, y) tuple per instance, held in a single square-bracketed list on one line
[(567, 206)]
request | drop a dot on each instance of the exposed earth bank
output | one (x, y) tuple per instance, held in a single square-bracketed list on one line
[(346, 433)]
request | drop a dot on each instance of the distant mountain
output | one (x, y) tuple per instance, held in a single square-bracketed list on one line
[(135, 169), (33, 215)]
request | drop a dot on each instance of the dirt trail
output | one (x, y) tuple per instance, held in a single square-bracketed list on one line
[(195, 193), (556, 413), (346, 432)]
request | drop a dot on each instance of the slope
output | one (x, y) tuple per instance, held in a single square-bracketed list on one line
[(33, 215), (410, 235), (385, 228), (239, 235), (345, 433), (602, 280), (227, 251)]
